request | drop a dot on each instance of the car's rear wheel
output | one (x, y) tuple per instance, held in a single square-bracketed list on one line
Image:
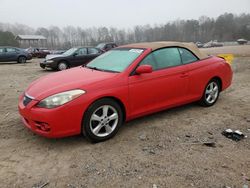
[(102, 120), (62, 66), (211, 93), (21, 59)]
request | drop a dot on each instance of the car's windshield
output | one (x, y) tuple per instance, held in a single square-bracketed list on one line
[(100, 46), (70, 51), (116, 60)]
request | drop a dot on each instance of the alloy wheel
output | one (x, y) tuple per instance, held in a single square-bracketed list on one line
[(62, 66), (104, 120), (212, 92), (22, 59)]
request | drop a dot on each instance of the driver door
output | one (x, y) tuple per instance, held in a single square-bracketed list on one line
[(164, 87), (11, 54), (79, 57), (2, 54)]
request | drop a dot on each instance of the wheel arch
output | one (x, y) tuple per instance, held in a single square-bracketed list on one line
[(219, 80), (116, 99), (63, 60), (215, 78), (21, 55)]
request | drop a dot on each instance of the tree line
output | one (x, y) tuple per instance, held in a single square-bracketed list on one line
[(226, 27)]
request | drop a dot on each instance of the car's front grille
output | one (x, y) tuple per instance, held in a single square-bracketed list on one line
[(26, 100)]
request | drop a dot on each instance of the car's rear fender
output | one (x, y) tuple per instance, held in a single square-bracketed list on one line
[(226, 74)]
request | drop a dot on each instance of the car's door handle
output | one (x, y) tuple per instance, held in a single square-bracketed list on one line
[(184, 75)]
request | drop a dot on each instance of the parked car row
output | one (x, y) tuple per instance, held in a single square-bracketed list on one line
[(55, 59), (215, 43), (75, 56), (212, 43)]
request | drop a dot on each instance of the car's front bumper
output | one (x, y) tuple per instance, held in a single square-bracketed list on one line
[(62, 121), (29, 57), (45, 64)]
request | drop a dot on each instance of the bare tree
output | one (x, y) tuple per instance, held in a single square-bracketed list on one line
[(227, 27)]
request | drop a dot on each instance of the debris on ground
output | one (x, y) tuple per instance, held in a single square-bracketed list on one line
[(236, 135), (154, 186), (152, 152), (143, 137), (209, 144), (149, 150), (40, 185), (43, 185), (6, 115), (245, 177)]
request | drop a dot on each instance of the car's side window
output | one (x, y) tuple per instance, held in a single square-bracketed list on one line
[(163, 58), (92, 51), (149, 60), (187, 56), (108, 47), (10, 50), (2, 50), (167, 57), (82, 51)]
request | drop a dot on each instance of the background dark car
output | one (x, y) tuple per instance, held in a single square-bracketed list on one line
[(38, 52), (106, 46), (8, 53), (71, 58), (57, 51)]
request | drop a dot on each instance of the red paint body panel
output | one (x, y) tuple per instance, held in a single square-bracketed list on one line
[(149, 92), (140, 94)]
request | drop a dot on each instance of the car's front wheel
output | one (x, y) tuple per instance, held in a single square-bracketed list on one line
[(211, 93), (62, 66), (102, 120), (21, 59)]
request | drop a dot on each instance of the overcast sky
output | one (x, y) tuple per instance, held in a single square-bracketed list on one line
[(116, 13)]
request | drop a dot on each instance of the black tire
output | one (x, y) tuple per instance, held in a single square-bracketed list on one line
[(21, 59), (214, 94), (42, 66), (63, 65), (89, 125)]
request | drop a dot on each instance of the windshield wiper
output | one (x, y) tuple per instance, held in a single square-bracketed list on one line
[(112, 71), (95, 68)]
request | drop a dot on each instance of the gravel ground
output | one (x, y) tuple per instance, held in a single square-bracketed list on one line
[(161, 150)]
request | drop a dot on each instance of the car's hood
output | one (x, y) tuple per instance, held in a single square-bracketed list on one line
[(75, 78), (52, 56)]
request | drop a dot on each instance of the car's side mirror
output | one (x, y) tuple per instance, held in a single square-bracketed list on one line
[(75, 54), (142, 69)]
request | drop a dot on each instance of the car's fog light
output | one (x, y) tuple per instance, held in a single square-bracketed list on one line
[(43, 126)]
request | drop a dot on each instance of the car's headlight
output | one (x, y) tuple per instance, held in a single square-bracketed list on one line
[(60, 98), (49, 61)]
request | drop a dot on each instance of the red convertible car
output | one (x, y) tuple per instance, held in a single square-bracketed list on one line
[(122, 84)]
